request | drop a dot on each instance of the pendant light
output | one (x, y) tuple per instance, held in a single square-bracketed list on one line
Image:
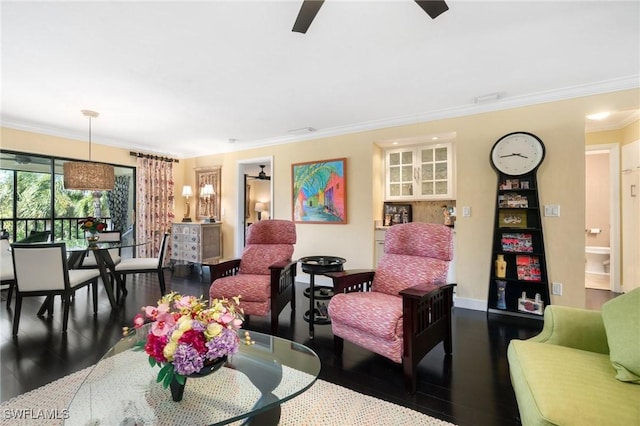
[(86, 175)]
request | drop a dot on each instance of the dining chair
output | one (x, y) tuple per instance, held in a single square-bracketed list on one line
[(41, 270), (109, 237), (7, 278), (264, 277), (403, 308), (36, 237), (142, 265)]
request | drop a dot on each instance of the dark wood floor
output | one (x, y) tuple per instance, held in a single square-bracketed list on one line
[(470, 388)]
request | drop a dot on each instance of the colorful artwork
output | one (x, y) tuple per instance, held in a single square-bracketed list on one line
[(320, 191)]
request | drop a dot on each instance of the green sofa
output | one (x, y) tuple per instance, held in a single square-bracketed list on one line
[(568, 375)]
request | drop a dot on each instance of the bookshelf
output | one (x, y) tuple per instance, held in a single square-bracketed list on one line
[(518, 240), (518, 283)]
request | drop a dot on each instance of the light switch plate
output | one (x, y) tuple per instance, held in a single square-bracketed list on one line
[(552, 210), (466, 211)]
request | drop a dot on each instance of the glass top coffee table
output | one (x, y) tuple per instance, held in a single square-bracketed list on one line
[(122, 389)]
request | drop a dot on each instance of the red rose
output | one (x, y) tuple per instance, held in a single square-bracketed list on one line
[(194, 338)]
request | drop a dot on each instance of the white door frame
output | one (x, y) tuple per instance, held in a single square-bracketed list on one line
[(241, 169), (613, 149)]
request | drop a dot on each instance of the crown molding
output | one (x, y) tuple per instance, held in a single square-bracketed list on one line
[(606, 86)]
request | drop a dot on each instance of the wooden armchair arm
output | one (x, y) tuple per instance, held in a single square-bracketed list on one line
[(426, 311), (421, 291), (283, 273), (282, 265), (224, 268), (353, 280)]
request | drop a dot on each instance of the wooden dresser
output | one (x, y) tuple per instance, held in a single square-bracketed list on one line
[(194, 242)]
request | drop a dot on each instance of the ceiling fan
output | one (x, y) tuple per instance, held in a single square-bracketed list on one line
[(262, 175), (310, 8)]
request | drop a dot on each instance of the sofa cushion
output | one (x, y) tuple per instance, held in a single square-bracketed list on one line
[(621, 317), (556, 385)]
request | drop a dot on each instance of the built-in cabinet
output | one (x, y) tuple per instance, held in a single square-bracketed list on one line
[(630, 181), (196, 242), (423, 172)]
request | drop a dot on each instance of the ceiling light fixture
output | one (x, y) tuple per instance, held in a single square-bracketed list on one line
[(491, 97), (302, 130), (599, 115), (86, 175)]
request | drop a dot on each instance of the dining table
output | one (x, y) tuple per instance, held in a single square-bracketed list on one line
[(77, 251)]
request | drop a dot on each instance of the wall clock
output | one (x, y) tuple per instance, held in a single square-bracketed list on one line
[(517, 153)]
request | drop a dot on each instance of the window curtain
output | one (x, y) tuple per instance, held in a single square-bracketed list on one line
[(154, 186), (118, 199)]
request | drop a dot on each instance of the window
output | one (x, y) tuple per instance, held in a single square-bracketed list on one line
[(32, 197)]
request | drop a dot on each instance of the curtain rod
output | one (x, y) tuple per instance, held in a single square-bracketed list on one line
[(154, 157)]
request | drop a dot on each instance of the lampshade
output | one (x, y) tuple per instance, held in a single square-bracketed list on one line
[(85, 175), (259, 207), (207, 190), (187, 191)]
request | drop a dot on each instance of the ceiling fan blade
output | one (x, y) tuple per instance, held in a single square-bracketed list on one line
[(308, 11), (433, 7)]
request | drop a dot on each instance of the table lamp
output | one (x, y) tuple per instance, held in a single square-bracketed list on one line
[(259, 209), (206, 192), (187, 192)]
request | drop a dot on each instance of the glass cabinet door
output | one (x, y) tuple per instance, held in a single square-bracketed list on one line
[(400, 173), (422, 172), (434, 171)]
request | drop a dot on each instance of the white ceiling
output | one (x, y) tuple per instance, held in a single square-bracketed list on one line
[(183, 78)]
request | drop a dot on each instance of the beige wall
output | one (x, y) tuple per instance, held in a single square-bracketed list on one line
[(597, 202), (561, 180), (19, 140)]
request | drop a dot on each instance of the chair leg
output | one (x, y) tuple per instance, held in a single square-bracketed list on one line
[(9, 295), (16, 314), (94, 290), (447, 338), (123, 289), (47, 306), (65, 316), (410, 382), (163, 287), (293, 297), (338, 345), (274, 322)]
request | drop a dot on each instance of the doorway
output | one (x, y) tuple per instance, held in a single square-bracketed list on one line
[(602, 217), (254, 195)]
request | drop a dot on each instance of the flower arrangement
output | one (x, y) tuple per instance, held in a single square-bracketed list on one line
[(92, 225), (186, 334)]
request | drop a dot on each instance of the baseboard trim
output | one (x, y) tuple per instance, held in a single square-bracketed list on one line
[(466, 303)]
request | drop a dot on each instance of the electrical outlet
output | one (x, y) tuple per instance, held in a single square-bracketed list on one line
[(466, 211), (557, 289)]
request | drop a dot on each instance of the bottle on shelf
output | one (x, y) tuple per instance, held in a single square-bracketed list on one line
[(501, 266)]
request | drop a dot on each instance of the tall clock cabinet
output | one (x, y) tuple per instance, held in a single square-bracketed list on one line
[(518, 284)]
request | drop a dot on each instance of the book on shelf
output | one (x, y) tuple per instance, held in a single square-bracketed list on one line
[(517, 242), (514, 184), (528, 268), (513, 200), (513, 218)]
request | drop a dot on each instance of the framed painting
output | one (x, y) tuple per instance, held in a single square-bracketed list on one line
[(208, 206), (319, 191), (395, 213)]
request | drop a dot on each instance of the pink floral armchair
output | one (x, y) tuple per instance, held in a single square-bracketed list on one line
[(264, 276), (403, 309)]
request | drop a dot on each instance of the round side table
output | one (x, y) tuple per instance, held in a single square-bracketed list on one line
[(318, 265)]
